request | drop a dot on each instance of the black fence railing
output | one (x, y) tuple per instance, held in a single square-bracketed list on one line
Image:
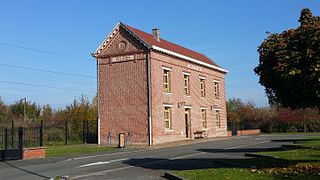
[(48, 133)]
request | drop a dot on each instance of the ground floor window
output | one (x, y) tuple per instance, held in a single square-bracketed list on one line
[(204, 118), (167, 117), (218, 118)]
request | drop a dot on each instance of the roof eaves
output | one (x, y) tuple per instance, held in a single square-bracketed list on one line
[(189, 59)]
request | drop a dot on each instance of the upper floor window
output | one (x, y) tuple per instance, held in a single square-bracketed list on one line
[(216, 90), (186, 84), (166, 80), (202, 87)]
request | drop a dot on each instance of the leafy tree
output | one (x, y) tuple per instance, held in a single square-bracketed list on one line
[(32, 110), (47, 112), (3, 110), (289, 64)]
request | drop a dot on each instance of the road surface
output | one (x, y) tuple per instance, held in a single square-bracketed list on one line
[(142, 163)]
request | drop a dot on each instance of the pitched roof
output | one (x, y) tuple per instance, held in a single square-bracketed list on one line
[(164, 46), (149, 39)]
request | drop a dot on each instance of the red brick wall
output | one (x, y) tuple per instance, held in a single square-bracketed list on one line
[(33, 153), (245, 132), (178, 66), (123, 92)]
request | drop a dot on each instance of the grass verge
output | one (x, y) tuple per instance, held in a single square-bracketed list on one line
[(299, 161), (67, 150)]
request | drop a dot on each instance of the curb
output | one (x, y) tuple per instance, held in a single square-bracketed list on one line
[(172, 176)]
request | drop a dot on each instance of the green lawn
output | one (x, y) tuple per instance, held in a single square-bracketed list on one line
[(300, 161), (66, 150)]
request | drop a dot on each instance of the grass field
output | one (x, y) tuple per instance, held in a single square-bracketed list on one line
[(67, 150), (299, 161)]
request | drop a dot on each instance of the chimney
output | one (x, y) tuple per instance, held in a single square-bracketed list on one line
[(156, 34)]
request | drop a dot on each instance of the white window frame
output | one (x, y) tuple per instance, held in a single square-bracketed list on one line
[(216, 89), (204, 121), (167, 109), (202, 91), (166, 72)]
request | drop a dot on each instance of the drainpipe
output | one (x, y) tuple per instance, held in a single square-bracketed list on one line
[(149, 96), (98, 102), (98, 99)]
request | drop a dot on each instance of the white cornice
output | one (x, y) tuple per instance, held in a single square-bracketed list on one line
[(188, 58)]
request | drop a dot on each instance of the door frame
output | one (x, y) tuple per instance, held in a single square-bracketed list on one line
[(187, 111)]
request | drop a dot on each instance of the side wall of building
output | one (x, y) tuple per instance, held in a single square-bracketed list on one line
[(123, 91), (179, 101)]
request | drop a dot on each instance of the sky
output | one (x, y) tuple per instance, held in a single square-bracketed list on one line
[(45, 45)]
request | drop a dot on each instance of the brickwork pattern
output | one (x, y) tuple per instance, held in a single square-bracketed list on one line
[(123, 93), (33, 153), (177, 97)]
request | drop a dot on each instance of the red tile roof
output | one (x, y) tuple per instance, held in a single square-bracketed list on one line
[(149, 39)]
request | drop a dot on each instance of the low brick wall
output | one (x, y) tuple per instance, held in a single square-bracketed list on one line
[(245, 132), (33, 153)]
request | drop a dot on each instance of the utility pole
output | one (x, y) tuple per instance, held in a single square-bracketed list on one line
[(25, 110)]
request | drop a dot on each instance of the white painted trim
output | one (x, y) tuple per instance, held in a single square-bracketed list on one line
[(217, 109), (202, 77), (168, 130), (166, 68), (167, 105), (189, 58), (187, 107), (107, 38), (216, 81), (203, 108), (184, 73)]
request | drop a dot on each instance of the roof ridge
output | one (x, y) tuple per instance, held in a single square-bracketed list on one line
[(165, 44), (161, 39)]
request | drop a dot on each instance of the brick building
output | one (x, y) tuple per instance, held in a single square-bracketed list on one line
[(155, 91)]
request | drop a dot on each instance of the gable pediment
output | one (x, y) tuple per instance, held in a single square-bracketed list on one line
[(121, 42)]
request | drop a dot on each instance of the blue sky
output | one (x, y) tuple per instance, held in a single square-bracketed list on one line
[(228, 32)]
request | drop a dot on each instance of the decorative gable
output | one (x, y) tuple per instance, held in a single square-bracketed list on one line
[(121, 43)]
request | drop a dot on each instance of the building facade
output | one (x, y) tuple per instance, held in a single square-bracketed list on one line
[(155, 91)]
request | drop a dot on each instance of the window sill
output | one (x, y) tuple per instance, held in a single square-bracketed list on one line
[(204, 129), (168, 130), (187, 96), (167, 93)]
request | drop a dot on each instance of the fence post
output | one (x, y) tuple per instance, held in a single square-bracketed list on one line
[(66, 132), (21, 141), (87, 130), (12, 134), (84, 131), (5, 138), (41, 133)]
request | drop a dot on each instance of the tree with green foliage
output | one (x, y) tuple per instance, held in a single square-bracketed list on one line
[(3, 110), (32, 110), (289, 64)]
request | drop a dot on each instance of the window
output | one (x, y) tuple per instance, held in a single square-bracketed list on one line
[(204, 118), (202, 88), (166, 80), (167, 117), (216, 90), (186, 84), (218, 118)]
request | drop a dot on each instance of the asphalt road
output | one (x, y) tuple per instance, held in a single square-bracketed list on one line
[(143, 163)]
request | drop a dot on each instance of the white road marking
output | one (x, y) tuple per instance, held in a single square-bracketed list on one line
[(109, 154), (103, 162), (159, 161), (151, 149)]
